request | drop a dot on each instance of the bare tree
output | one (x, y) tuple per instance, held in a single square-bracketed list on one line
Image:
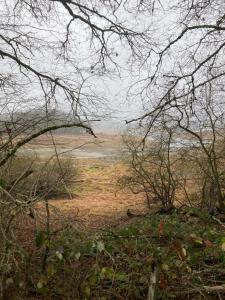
[(53, 55), (51, 51), (205, 127), (188, 58), (195, 53), (193, 57), (152, 169)]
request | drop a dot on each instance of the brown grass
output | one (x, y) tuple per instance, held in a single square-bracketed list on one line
[(96, 200)]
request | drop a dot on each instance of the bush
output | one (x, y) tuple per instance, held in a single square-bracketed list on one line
[(23, 181), (151, 172), (32, 177)]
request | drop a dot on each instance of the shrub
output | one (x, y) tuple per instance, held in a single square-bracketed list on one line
[(151, 172), (23, 181), (32, 177)]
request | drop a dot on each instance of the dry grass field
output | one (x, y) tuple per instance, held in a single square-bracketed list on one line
[(95, 200)]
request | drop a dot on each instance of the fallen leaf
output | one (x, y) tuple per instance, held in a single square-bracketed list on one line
[(196, 239), (208, 243), (184, 252)]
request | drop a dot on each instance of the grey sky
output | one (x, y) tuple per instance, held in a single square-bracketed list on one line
[(118, 101)]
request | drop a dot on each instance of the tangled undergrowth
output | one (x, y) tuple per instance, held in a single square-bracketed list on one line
[(188, 249)]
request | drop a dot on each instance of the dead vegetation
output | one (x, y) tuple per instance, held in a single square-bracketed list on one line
[(60, 251), (89, 234)]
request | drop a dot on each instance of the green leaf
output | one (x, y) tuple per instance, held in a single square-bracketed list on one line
[(59, 255), (2, 183), (40, 238), (107, 273), (77, 255), (165, 267), (93, 279), (120, 276), (196, 239), (40, 284), (51, 270), (87, 291)]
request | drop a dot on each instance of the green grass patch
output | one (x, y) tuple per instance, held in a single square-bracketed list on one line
[(95, 168)]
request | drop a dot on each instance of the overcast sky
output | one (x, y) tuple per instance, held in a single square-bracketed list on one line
[(114, 85)]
